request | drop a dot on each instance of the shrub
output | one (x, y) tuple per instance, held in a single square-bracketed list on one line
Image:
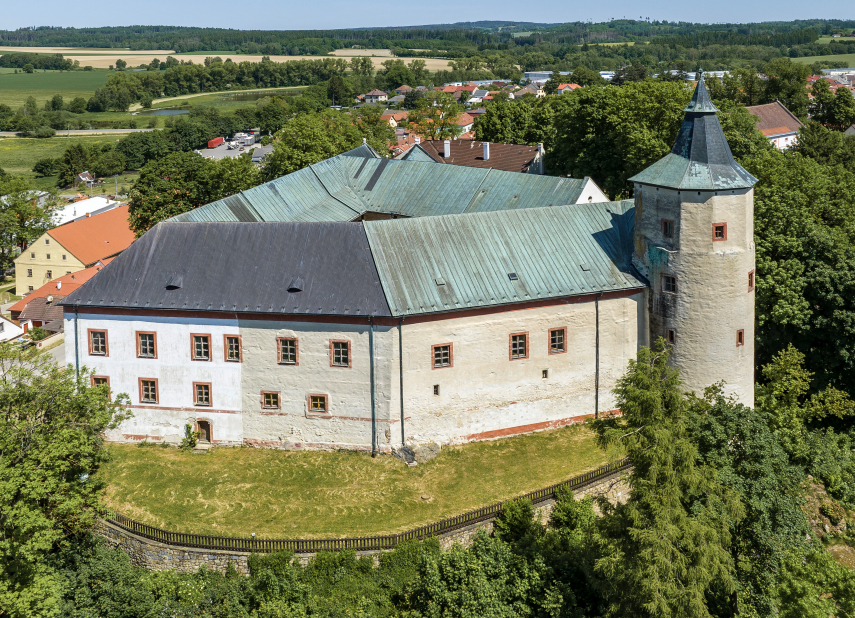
[(38, 333), (188, 442)]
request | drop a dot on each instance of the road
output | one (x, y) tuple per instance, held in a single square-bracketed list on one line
[(84, 132)]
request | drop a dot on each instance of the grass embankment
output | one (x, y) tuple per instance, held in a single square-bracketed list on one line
[(41, 85), (842, 61), (279, 494)]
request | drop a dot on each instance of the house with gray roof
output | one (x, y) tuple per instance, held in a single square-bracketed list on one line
[(367, 303)]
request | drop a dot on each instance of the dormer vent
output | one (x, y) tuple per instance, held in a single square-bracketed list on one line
[(175, 282)]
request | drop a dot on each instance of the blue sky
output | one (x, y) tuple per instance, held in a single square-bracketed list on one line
[(319, 14)]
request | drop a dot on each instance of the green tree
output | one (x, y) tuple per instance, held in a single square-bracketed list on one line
[(109, 163), (22, 217), (75, 159), (586, 77), (45, 166), (56, 103), (77, 105), (140, 148), (51, 446), (551, 85), (339, 90), (121, 65), (826, 146), (667, 545), (787, 82), (167, 187), (28, 68), (435, 116)]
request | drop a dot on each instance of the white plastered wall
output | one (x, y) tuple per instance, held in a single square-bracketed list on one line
[(591, 193), (486, 394), (173, 369)]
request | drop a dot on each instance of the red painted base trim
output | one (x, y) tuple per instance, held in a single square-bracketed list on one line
[(512, 431)]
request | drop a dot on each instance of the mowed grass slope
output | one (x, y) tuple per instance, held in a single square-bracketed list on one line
[(15, 88), (279, 494), (19, 154), (842, 61)]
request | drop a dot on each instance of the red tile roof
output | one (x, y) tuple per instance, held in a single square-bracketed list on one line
[(94, 238), (507, 157), (61, 285), (775, 119)]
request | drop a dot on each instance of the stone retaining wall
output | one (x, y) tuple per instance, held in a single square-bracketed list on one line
[(157, 556)]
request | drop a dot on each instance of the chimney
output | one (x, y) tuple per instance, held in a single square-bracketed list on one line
[(486, 151), (447, 145), (540, 149), (418, 139)]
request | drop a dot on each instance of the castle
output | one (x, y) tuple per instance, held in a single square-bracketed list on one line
[(364, 302)]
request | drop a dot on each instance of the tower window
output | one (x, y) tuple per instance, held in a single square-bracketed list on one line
[(671, 336), (669, 284), (719, 231), (667, 228), (740, 337), (751, 281)]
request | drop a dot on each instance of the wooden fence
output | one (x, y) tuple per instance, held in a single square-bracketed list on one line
[(367, 543)]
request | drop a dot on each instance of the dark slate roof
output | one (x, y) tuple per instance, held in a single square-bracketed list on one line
[(243, 267), (701, 158)]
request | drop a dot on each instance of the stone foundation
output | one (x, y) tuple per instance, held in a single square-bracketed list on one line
[(157, 556)]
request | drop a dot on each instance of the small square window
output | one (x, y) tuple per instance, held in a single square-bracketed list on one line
[(201, 347), (740, 337), (98, 343), (233, 348), (100, 381), (288, 350), (442, 356), (671, 336), (32, 255), (436, 389), (29, 272), (668, 228), (519, 345), (148, 391), (544, 374), (751, 281), (669, 284), (146, 345), (49, 274), (318, 404), (556, 340), (202, 393), (340, 353), (63, 256), (719, 231), (270, 400)]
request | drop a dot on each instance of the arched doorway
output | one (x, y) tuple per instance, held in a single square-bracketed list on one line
[(204, 429)]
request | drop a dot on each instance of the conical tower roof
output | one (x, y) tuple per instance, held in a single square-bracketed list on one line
[(700, 159)]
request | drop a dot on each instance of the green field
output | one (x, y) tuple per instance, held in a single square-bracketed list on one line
[(14, 89), (842, 61), (236, 491)]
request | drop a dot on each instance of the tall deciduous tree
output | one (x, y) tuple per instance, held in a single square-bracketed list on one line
[(435, 116), (22, 217), (667, 546)]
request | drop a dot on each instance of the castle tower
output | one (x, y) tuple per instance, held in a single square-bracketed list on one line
[(694, 241)]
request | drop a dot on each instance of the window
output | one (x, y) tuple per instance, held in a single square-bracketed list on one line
[(30, 288), (556, 340), (67, 272), (47, 241), (146, 345), (270, 400), (201, 394), (751, 281), (98, 342), (63, 256), (671, 336), (318, 404), (288, 351), (148, 390), (47, 256), (667, 228), (442, 356), (32, 255), (719, 231), (201, 350), (29, 272), (544, 374), (436, 390), (49, 274), (519, 345), (669, 284), (340, 353), (740, 338), (233, 348), (100, 381)]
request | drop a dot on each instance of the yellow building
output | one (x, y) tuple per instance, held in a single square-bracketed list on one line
[(72, 247)]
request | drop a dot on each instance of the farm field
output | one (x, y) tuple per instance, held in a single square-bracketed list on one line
[(78, 50), (41, 85), (279, 494), (19, 154), (841, 61)]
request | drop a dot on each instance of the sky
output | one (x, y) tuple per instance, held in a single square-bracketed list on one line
[(334, 14)]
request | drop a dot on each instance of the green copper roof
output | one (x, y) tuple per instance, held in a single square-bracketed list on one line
[(701, 158)]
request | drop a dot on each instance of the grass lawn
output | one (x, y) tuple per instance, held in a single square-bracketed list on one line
[(842, 61), (19, 154), (14, 89), (280, 494)]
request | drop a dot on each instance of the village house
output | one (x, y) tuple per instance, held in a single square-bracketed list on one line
[(403, 90), (72, 247), (777, 123), (400, 302), (9, 331), (375, 96), (394, 118), (565, 88)]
